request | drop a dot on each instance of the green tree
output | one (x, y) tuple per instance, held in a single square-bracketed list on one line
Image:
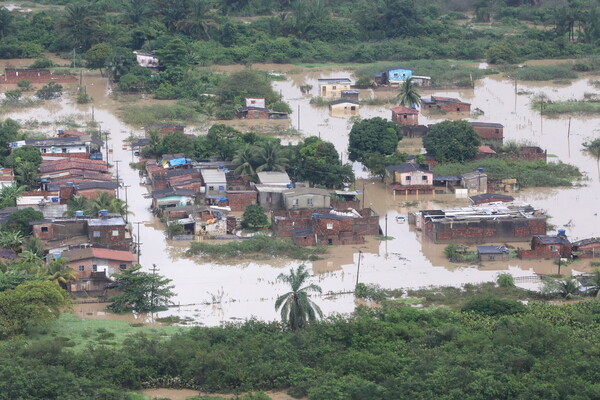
[(24, 154), (409, 96), (142, 291), (9, 195), (20, 219), (501, 53), (492, 306), (174, 54), (319, 162), (11, 240), (593, 149), (97, 56), (30, 304), (177, 142), (254, 217), (245, 158), (376, 163), (270, 157), (80, 24), (373, 136), (50, 91), (297, 309), (13, 95), (26, 173), (505, 280), (452, 141), (58, 271), (77, 203)]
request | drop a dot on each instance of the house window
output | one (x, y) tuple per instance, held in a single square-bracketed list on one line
[(81, 268), (96, 234), (329, 226), (94, 268), (295, 202), (221, 187), (457, 108), (44, 229), (122, 266), (353, 108), (309, 202), (553, 248), (405, 116), (64, 149), (492, 258), (497, 130), (211, 188), (424, 178), (408, 178), (115, 232), (333, 87), (43, 150)]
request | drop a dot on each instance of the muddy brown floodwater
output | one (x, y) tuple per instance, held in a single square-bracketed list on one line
[(213, 293)]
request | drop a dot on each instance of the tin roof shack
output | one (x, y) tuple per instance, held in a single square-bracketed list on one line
[(331, 88), (492, 253), (490, 133), (506, 222), (252, 113), (587, 248), (343, 107), (392, 76), (306, 198), (171, 197), (445, 104), (409, 178), (350, 94), (476, 182), (548, 246), (215, 183), (274, 178), (490, 198), (109, 231), (94, 266), (147, 60), (7, 177), (405, 116), (74, 147)]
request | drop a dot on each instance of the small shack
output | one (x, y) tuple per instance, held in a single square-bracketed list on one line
[(344, 106), (492, 253), (405, 116)]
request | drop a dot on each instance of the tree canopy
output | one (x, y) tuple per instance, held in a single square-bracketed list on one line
[(141, 291), (254, 217), (452, 141), (373, 136)]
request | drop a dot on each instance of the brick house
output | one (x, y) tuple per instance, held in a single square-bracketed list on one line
[(252, 113), (409, 178), (93, 266), (238, 200), (59, 228), (91, 190), (587, 248), (490, 198), (35, 75), (474, 182), (489, 132), (405, 116), (109, 231), (446, 104), (548, 246)]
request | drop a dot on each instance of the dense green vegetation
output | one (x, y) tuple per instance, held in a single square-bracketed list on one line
[(497, 349), (528, 174), (260, 246), (452, 141)]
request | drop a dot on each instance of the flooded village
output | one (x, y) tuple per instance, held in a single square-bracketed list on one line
[(390, 232)]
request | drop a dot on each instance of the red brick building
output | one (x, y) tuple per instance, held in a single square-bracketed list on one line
[(490, 133), (405, 116), (109, 232), (238, 200), (545, 246), (446, 104), (587, 248), (41, 75)]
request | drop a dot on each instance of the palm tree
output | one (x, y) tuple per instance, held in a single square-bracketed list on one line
[(199, 20), (26, 173), (30, 262), (11, 240), (297, 310), (58, 271), (80, 23), (409, 96), (245, 158), (35, 246), (77, 203), (270, 156), (593, 149), (9, 195)]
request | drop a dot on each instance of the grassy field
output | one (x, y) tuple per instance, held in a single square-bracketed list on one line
[(569, 107), (78, 333)]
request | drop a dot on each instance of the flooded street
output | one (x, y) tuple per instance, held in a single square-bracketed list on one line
[(212, 293)]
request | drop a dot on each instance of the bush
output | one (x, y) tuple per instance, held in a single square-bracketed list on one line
[(545, 73), (505, 280), (42, 62), (50, 91), (24, 84), (493, 306)]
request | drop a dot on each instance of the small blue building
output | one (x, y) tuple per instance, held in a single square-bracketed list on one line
[(393, 76)]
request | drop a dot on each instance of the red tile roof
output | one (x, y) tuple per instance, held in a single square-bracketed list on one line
[(93, 252), (404, 110)]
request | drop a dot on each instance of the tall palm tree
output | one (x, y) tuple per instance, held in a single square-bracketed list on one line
[(198, 21), (26, 173), (58, 271), (245, 158), (80, 23), (9, 195), (35, 246), (297, 310), (593, 149), (409, 96), (77, 203), (270, 157)]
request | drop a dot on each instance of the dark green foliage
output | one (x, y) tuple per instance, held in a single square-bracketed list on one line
[(19, 220), (24, 154), (258, 246), (50, 91), (297, 309), (254, 217), (493, 306), (318, 162), (142, 291), (373, 136), (452, 141)]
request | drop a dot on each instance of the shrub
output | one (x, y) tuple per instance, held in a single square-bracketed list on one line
[(493, 306), (505, 280)]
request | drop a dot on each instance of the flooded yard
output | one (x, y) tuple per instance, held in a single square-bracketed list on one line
[(213, 293)]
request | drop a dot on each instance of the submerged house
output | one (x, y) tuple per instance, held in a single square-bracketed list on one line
[(393, 76), (409, 178), (548, 246), (492, 253), (587, 248), (332, 87), (405, 116), (446, 104), (489, 132), (344, 106)]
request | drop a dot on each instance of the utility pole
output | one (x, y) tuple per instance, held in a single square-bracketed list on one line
[(118, 181), (358, 268), (139, 249), (126, 204), (154, 269), (386, 225), (298, 117)]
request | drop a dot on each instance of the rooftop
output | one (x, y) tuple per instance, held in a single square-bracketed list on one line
[(492, 250), (341, 101), (92, 252), (404, 110), (334, 80), (306, 190), (554, 239), (491, 196), (109, 221), (273, 177), (213, 175), (487, 124), (159, 194), (62, 141), (408, 167)]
